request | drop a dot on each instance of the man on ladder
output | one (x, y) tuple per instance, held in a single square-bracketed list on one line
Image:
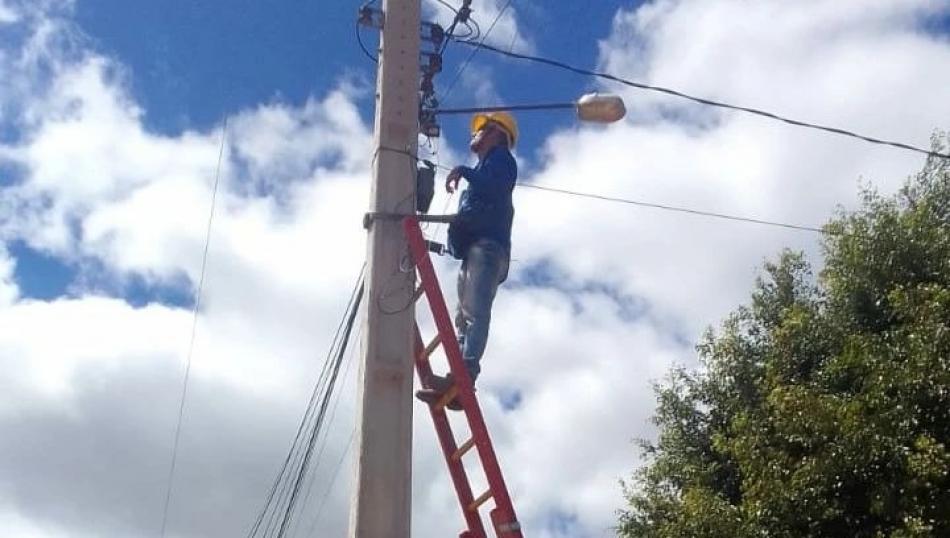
[(480, 236)]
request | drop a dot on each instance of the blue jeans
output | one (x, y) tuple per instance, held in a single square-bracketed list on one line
[(484, 267)]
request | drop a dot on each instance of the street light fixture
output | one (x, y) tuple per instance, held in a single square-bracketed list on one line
[(592, 107)]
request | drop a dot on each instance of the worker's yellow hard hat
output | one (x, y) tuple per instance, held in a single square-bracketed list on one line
[(504, 120)]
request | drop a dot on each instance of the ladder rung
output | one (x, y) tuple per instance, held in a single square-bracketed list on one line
[(480, 501), (432, 345), (502, 514), (447, 397), (463, 449)]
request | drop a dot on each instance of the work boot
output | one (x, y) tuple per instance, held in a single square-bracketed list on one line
[(438, 386)]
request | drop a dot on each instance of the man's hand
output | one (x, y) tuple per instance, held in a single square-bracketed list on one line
[(452, 180)]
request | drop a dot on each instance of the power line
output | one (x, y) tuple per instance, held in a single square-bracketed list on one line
[(448, 5), (336, 472), (641, 203), (473, 33), (324, 403), (359, 39), (194, 328), (281, 502), (291, 464), (703, 101), (675, 208), (346, 449), (291, 459), (462, 15), (359, 35), (326, 434), (471, 55)]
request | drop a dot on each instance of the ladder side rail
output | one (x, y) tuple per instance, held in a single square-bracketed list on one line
[(476, 422), (448, 443)]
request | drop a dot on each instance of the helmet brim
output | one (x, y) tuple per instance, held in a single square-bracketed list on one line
[(479, 121)]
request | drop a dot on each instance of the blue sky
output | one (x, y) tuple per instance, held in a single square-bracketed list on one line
[(191, 64), (110, 121)]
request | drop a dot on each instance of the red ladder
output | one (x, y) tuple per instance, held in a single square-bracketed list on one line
[(502, 516)]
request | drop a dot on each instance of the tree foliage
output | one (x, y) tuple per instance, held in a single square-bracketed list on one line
[(822, 408)]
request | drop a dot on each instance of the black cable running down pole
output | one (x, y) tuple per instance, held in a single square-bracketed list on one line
[(308, 452), (703, 101), (290, 464)]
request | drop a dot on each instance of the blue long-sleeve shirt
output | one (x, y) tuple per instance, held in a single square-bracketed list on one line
[(485, 207)]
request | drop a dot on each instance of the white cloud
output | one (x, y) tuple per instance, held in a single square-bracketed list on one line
[(689, 271), (675, 152), (506, 33), (477, 80), (14, 525), (97, 187), (7, 14), (91, 383), (89, 331)]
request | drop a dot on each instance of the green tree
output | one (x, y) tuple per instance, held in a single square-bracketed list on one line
[(822, 408)]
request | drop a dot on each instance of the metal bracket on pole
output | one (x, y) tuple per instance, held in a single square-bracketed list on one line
[(372, 216)]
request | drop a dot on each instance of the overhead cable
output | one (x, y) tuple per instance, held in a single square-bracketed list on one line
[(275, 517), (359, 40), (329, 488), (674, 208), (326, 438), (194, 330), (703, 101), (324, 403), (462, 15), (365, 17), (472, 34), (449, 6), (641, 203), (481, 43)]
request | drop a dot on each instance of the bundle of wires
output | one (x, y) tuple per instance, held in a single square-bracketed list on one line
[(282, 503), (463, 17)]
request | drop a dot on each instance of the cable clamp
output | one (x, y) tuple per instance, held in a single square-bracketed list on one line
[(465, 11)]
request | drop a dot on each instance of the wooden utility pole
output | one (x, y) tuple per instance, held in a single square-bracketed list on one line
[(382, 497)]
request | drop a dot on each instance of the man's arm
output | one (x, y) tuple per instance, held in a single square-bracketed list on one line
[(496, 176)]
